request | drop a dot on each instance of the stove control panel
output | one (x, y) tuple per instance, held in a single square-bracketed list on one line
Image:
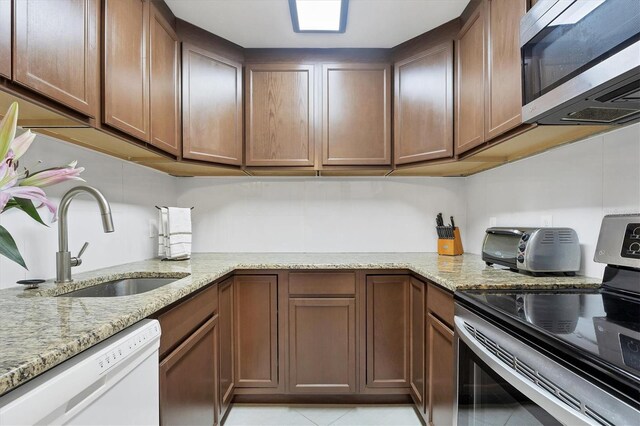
[(619, 241), (631, 241)]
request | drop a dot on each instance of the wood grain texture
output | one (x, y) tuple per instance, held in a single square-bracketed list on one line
[(256, 331), (188, 380), (126, 67), (503, 90), (199, 37), (212, 106), (56, 50), (470, 89), (164, 81), (387, 300), (356, 114), (440, 303), (279, 115), (322, 345), (440, 372), (227, 381), (442, 34), (5, 38), (424, 106), (417, 314), (322, 283)]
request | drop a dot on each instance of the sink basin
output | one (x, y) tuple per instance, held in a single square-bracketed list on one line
[(125, 287)]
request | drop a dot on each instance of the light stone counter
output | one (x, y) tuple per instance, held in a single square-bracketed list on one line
[(38, 331)]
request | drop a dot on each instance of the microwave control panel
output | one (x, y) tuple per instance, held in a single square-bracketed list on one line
[(631, 241)]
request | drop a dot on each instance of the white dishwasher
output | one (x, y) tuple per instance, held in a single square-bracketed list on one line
[(112, 383)]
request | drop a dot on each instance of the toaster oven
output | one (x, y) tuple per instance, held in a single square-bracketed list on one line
[(535, 250)]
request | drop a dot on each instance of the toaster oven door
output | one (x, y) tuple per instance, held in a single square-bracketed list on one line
[(501, 247)]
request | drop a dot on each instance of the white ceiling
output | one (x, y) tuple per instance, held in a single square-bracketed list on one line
[(267, 23)]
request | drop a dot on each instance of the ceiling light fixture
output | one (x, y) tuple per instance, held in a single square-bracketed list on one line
[(319, 16)]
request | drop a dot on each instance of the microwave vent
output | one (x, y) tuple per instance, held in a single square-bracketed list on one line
[(600, 114)]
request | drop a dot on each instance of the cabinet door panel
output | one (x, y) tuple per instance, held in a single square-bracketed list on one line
[(280, 122), (5, 38), (387, 299), (212, 107), (424, 106), (126, 67), (188, 379), (227, 376), (504, 82), (356, 114), (56, 50), (164, 80), (471, 82), (417, 305), (322, 344), (256, 331), (441, 372)]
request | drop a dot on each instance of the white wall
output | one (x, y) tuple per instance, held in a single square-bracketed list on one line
[(319, 214), (132, 191), (576, 184)]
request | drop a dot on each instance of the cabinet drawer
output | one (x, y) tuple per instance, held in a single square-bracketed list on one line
[(322, 283), (178, 323), (440, 302)]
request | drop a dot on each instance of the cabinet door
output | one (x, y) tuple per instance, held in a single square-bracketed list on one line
[(356, 117), (280, 115), (322, 345), (440, 372), (417, 303), (256, 331), (424, 106), (164, 81), (387, 303), (188, 379), (56, 50), (126, 67), (471, 82), (503, 95), (227, 376), (5, 38), (212, 107)]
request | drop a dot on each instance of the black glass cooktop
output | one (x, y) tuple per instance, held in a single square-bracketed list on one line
[(599, 324)]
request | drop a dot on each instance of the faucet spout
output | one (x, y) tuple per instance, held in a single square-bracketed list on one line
[(64, 261)]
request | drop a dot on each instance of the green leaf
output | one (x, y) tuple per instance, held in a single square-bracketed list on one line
[(11, 204), (9, 249), (28, 207)]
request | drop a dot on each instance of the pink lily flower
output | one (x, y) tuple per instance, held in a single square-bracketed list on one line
[(8, 129), (21, 144), (32, 193), (53, 176)]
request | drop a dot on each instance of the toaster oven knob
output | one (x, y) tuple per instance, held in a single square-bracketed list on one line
[(525, 237), (521, 259), (522, 246)]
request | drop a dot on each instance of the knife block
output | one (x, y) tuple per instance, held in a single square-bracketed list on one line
[(451, 246)]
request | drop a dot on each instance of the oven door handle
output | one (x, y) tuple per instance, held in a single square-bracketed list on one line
[(539, 396)]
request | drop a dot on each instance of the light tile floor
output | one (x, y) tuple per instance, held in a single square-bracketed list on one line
[(322, 415)]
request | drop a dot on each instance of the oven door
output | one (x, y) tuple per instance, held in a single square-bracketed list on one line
[(503, 381)]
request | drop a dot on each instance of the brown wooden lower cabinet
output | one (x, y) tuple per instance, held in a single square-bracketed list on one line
[(188, 379), (440, 371), (227, 374), (322, 345), (417, 306)]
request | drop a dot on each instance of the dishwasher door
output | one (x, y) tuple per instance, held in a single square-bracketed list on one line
[(112, 383)]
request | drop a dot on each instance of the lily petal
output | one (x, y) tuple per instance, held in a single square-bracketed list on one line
[(21, 144), (52, 177), (8, 129), (30, 193)]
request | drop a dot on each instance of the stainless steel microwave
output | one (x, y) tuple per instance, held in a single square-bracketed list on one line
[(581, 62)]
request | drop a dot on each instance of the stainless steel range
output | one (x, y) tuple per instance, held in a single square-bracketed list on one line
[(555, 357)]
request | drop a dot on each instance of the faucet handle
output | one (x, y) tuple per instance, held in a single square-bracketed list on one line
[(77, 261)]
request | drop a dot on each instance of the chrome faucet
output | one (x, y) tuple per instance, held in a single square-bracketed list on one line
[(64, 261)]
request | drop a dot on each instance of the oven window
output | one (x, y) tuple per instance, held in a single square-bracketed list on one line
[(585, 34), (485, 398)]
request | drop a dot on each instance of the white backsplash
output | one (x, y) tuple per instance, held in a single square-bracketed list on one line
[(576, 185)]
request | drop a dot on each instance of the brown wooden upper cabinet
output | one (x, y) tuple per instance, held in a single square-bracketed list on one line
[(356, 114), (279, 115), (471, 72), (5, 38), (126, 67), (256, 331), (504, 76), (56, 50), (164, 83), (489, 92), (424, 106), (212, 106)]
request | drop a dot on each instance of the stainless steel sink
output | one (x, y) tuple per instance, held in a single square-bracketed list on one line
[(126, 287)]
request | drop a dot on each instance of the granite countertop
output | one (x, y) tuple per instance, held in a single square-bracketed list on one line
[(38, 331)]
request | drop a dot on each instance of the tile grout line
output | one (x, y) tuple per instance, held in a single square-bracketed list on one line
[(347, 412)]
